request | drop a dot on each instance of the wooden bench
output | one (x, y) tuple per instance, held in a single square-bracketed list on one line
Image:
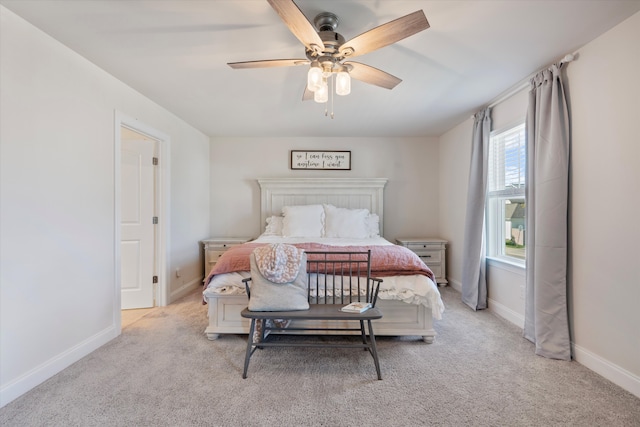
[(334, 279)]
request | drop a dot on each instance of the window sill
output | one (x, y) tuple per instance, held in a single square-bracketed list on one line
[(508, 265)]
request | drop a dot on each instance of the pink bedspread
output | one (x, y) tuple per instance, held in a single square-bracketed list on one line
[(386, 260)]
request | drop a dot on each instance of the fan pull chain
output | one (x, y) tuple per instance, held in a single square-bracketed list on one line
[(326, 104), (333, 89)]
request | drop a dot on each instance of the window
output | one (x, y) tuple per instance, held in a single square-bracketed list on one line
[(506, 233)]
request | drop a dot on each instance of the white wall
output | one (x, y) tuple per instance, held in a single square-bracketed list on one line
[(455, 158), (605, 177), (604, 278), (57, 266), (410, 164)]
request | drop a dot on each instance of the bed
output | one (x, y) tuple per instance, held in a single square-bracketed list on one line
[(351, 212)]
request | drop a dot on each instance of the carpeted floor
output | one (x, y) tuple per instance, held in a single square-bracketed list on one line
[(162, 371)]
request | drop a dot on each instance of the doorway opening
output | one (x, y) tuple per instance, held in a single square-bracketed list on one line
[(141, 219)]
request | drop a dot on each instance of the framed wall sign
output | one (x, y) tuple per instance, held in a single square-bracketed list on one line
[(324, 160)]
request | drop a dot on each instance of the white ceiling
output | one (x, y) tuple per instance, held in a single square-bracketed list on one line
[(175, 53)]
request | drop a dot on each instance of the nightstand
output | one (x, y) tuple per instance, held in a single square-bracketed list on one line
[(216, 246), (432, 252)]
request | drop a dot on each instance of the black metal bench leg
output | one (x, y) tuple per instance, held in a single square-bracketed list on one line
[(374, 350), (249, 348), (364, 335)]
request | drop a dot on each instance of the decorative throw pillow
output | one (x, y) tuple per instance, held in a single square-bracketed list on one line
[(373, 225), (270, 296), (349, 223), (274, 226), (303, 221)]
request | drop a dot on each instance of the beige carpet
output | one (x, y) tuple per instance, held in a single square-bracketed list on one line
[(163, 371)]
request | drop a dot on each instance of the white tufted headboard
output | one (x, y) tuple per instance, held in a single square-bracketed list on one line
[(353, 193)]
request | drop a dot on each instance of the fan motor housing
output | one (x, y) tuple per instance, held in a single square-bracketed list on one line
[(326, 21), (326, 24), (331, 41)]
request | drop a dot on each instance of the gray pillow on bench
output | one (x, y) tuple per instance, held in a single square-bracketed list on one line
[(270, 296)]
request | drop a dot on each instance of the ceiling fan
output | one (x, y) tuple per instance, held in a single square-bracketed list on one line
[(328, 54)]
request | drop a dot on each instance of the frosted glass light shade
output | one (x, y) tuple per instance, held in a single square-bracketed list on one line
[(343, 83), (322, 94), (314, 79)]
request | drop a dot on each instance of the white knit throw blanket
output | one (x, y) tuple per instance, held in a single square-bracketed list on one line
[(278, 262)]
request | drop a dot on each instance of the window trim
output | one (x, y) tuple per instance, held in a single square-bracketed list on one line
[(509, 264), (494, 214)]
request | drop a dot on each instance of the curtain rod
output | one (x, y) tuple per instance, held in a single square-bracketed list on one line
[(523, 84)]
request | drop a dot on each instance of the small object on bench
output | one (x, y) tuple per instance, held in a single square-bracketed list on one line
[(356, 307), (333, 280)]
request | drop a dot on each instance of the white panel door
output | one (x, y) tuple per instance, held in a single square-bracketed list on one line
[(137, 246)]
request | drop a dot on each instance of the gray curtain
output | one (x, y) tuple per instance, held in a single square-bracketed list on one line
[(546, 312), (474, 283)]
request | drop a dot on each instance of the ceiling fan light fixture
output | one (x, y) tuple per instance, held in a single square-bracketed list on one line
[(326, 50), (314, 77), (321, 95), (343, 83)]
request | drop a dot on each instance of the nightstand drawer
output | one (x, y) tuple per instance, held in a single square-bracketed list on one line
[(220, 246), (215, 247), (431, 251), (429, 256), (214, 255), (422, 246)]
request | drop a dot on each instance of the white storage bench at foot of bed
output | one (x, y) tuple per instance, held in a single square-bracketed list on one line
[(400, 319)]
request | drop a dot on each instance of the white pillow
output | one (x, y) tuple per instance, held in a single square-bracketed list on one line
[(373, 225), (349, 223), (303, 221), (274, 226)]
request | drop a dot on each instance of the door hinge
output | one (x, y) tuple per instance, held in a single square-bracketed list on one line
[(155, 161), (155, 279), (155, 219)]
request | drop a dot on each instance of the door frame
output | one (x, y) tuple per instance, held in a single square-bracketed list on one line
[(162, 185)]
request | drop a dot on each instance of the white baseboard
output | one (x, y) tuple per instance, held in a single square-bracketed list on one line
[(185, 289), (597, 364), (41, 373), (506, 313), (610, 371)]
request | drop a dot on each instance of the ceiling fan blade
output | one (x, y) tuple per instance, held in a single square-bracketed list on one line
[(268, 63), (372, 75), (385, 34), (307, 95), (297, 23)]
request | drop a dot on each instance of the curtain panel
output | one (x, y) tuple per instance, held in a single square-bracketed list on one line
[(474, 282), (547, 192)]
